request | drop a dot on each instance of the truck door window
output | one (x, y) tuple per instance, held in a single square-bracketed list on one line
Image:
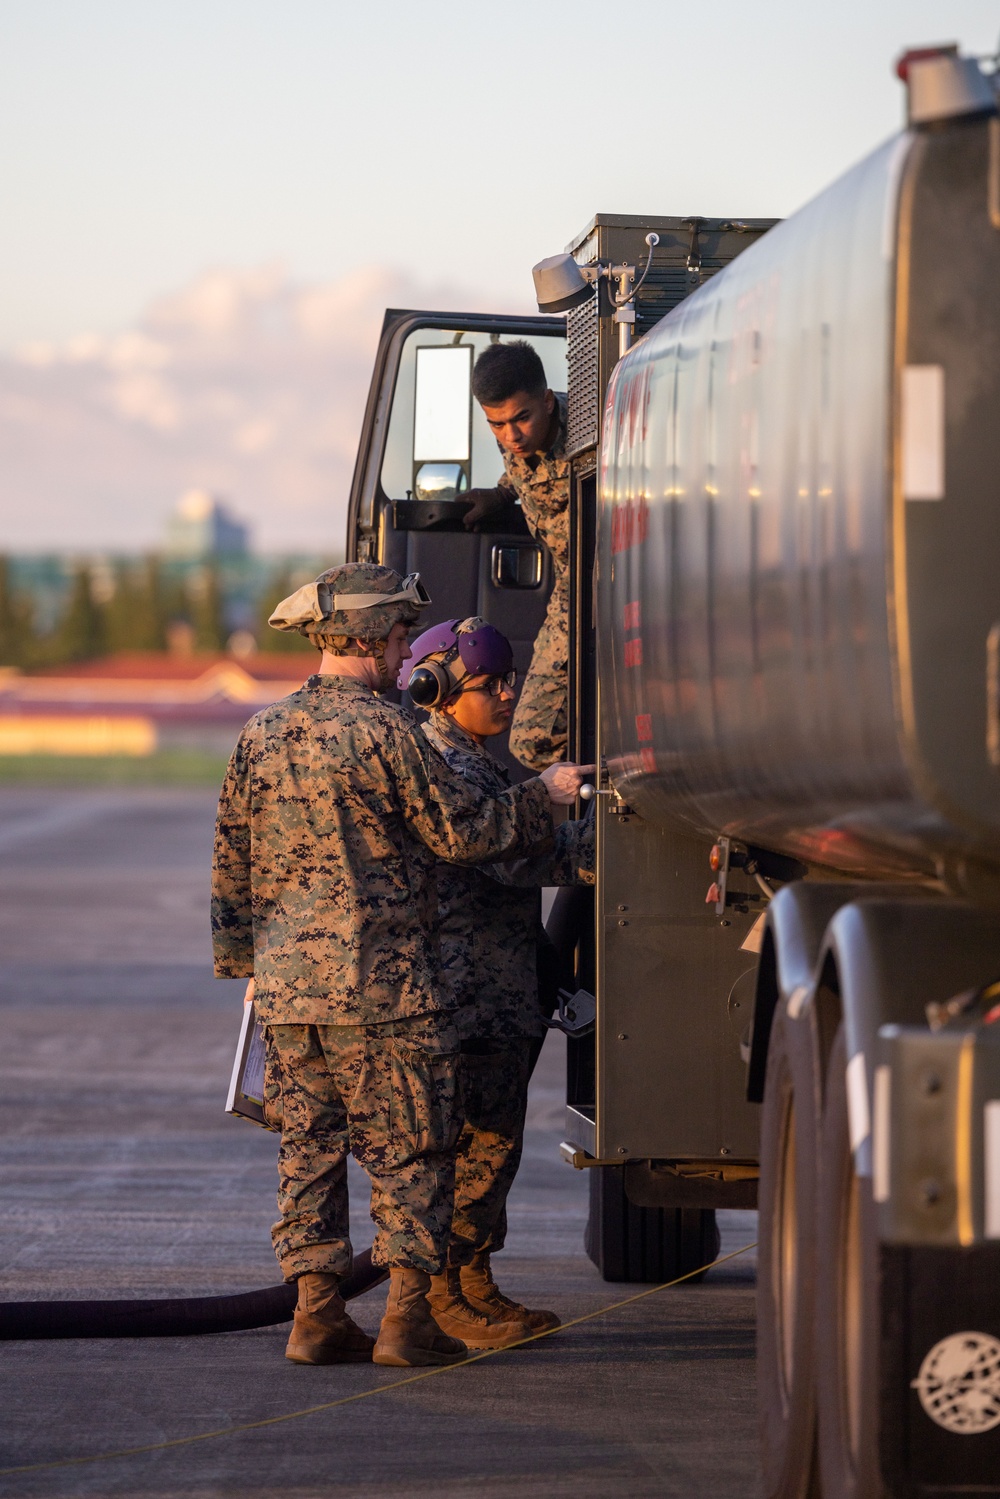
[(426, 457), (442, 419)]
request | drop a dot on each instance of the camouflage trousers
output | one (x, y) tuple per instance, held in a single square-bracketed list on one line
[(493, 1095), (388, 1095), (538, 734)]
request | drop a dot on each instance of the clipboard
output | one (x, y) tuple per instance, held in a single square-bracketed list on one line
[(246, 1086)]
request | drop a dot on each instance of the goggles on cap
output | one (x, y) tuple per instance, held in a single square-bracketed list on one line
[(412, 592)]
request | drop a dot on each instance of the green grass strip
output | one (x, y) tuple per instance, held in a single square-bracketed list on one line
[(168, 767)]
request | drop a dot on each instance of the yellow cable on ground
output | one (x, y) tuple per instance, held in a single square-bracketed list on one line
[(397, 1384)]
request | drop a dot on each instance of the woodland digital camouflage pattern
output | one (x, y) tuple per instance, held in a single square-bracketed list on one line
[(347, 809), (333, 814), (538, 734), (387, 1093), (490, 925), (493, 1097), (490, 918)]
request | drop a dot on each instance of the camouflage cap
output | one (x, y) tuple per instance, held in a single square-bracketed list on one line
[(326, 609)]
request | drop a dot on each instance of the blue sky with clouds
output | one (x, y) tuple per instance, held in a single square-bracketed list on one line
[(317, 146)]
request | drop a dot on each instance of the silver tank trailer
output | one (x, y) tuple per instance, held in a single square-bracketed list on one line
[(799, 530)]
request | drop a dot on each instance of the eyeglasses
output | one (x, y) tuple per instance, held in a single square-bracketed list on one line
[(493, 685)]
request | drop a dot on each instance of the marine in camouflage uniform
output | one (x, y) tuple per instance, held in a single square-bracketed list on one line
[(540, 481), (490, 927), (333, 816), (538, 734)]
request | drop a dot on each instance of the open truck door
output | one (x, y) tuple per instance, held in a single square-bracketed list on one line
[(424, 444)]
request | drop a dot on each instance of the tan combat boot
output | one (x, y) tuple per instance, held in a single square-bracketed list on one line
[(477, 1328), (410, 1337), (482, 1292), (322, 1332)]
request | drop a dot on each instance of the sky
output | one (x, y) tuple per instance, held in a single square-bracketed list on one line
[(208, 203)]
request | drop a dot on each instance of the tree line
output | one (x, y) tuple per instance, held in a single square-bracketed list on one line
[(147, 607)]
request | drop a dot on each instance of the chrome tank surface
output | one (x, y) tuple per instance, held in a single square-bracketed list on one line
[(770, 600)]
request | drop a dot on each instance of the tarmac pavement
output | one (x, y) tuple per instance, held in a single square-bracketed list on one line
[(122, 1177)]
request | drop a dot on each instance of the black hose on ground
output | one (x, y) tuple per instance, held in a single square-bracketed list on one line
[(169, 1318)]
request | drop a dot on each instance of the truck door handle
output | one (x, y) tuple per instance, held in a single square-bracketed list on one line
[(515, 566)]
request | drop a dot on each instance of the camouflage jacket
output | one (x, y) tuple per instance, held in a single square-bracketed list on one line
[(541, 483), (334, 813), (491, 918)]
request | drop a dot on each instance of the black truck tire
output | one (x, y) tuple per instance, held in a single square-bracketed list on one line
[(847, 1312), (786, 1261), (648, 1245)]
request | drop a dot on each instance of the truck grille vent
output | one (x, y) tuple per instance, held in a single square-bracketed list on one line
[(581, 336), (667, 285)]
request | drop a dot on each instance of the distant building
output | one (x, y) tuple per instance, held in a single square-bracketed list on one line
[(202, 528), (138, 702)]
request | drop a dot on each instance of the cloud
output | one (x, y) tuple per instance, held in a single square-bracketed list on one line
[(244, 382)]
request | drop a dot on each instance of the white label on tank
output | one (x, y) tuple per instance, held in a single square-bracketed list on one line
[(991, 1153), (922, 419), (858, 1115), (881, 1133)]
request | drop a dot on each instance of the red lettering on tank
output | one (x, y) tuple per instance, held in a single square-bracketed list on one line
[(753, 324), (644, 726), (633, 652), (629, 525), (626, 417), (637, 404), (632, 616), (607, 427), (632, 408)]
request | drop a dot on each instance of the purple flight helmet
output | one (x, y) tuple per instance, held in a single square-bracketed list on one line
[(462, 648)]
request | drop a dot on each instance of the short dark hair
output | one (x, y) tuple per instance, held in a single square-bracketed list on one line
[(504, 369)]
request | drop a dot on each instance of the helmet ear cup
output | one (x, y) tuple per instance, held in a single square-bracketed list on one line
[(429, 685)]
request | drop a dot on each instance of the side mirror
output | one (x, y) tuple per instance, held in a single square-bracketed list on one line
[(442, 421), (439, 481)]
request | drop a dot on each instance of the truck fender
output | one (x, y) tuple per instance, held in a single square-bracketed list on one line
[(797, 921)]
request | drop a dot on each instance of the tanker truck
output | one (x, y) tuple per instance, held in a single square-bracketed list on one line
[(785, 661)]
